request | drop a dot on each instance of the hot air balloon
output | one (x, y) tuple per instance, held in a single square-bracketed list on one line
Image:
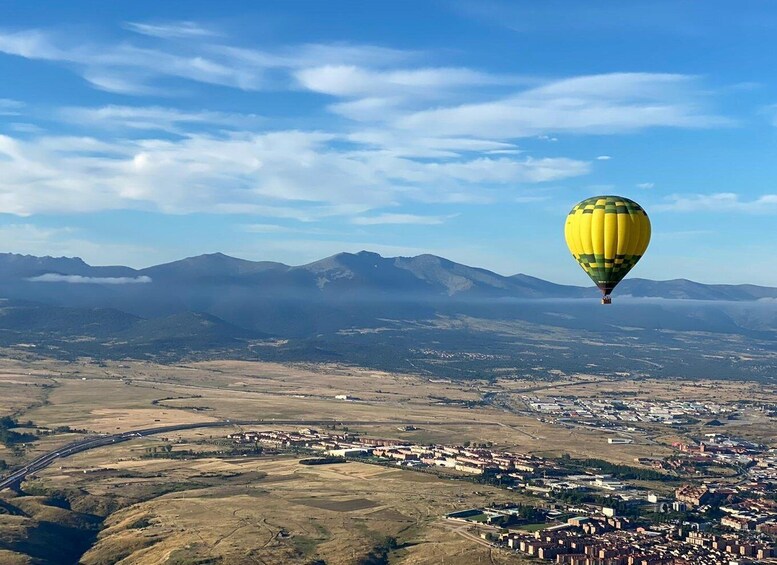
[(607, 235)]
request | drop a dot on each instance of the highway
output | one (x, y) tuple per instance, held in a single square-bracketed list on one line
[(93, 442)]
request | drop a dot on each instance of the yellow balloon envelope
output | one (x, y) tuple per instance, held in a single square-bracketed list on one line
[(607, 235)]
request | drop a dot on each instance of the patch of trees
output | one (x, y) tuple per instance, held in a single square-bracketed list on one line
[(60, 430), (626, 472), (504, 521), (524, 511), (166, 452), (490, 477), (9, 437), (474, 445), (529, 513), (521, 514), (322, 460), (669, 517), (157, 401)]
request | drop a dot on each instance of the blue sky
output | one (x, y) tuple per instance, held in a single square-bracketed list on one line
[(142, 132)]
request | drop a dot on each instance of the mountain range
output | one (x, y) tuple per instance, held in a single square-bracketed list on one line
[(348, 275), (216, 304)]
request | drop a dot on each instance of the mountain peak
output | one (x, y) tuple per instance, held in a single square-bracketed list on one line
[(344, 261), (360, 255), (210, 265), (370, 254), (217, 256), (21, 258), (18, 265)]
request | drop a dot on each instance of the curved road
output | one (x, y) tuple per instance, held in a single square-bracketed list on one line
[(43, 461)]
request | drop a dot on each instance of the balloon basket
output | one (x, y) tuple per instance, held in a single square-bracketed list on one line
[(607, 300)]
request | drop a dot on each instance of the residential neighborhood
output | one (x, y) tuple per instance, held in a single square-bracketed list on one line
[(583, 517)]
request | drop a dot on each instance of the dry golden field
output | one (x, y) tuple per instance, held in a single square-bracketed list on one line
[(118, 397), (121, 397), (271, 509), (260, 510)]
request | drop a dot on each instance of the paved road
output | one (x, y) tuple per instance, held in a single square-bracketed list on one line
[(91, 443), (15, 478)]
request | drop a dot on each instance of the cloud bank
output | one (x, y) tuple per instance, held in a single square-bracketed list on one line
[(399, 129), (78, 279)]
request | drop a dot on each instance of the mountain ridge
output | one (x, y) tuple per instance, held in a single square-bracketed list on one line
[(422, 313), (359, 272)]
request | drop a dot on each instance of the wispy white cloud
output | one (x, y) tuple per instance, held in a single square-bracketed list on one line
[(10, 107), (383, 219), (266, 228), (171, 30), (129, 68), (310, 55), (400, 130), (720, 202), (292, 174), (603, 158), (78, 279), (353, 81), (402, 144), (124, 81), (597, 104), (376, 84), (370, 109), (504, 170), (24, 127), (646, 185), (149, 118)]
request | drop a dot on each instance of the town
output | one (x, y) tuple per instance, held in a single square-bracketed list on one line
[(589, 512), (626, 411)]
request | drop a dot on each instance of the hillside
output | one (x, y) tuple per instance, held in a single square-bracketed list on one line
[(422, 313)]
